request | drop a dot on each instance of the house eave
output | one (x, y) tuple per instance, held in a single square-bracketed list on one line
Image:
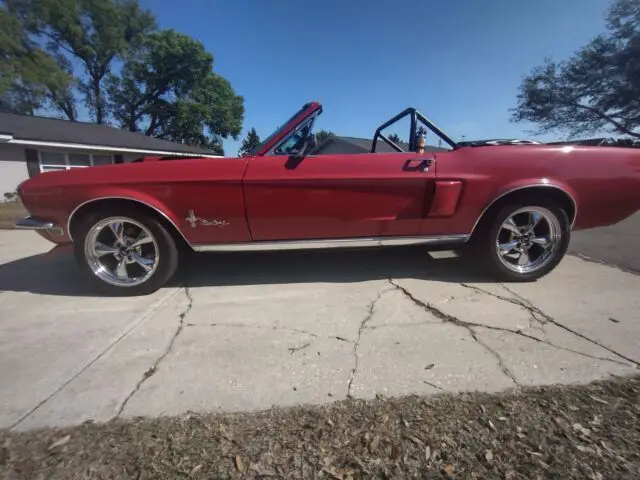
[(79, 146)]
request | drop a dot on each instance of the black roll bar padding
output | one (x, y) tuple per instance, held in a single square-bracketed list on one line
[(391, 143), (412, 132), (415, 116)]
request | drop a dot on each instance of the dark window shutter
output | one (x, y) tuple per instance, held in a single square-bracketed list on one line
[(33, 164), (118, 159)]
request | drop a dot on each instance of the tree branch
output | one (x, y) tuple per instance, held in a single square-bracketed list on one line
[(607, 118), (59, 44)]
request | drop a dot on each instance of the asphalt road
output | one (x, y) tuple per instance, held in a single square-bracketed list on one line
[(617, 245)]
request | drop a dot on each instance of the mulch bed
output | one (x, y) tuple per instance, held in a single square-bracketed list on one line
[(581, 432)]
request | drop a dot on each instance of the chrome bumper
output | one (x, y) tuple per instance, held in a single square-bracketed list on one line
[(30, 223)]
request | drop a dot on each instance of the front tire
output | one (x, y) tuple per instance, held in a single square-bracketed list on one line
[(525, 241), (125, 253)]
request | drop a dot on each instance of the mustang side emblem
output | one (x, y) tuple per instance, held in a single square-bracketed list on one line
[(193, 220)]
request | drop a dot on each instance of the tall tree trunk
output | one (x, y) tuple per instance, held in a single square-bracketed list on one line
[(63, 100), (152, 125), (97, 96), (69, 111)]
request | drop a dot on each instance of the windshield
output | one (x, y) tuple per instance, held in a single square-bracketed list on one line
[(280, 129)]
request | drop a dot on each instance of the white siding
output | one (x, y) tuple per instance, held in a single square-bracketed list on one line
[(13, 168), (13, 163), (11, 175)]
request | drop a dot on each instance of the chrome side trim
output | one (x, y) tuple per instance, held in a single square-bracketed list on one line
[(30, 223), (331, 243), (164, 215), (535, 185)]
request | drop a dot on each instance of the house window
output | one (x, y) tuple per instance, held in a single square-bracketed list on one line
[(52, 161), (101, 159), (79, 160)]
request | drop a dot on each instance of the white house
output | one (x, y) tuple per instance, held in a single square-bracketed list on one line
[(31, 145)]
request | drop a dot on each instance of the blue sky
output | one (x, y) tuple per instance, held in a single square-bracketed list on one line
[(458, 61)]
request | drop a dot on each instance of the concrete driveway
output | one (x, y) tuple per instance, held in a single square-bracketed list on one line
[(249, 331)]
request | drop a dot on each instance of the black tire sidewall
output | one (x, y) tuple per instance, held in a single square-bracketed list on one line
[(488, 244), (168, 253)]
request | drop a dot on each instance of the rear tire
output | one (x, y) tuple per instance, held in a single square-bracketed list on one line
[(125, 252), (515, 252)]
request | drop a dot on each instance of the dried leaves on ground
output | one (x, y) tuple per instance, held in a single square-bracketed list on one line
[(581, 432)]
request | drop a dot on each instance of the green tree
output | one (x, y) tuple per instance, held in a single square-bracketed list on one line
[(93, 33), (215, 145), (597, 89), (250, 143), (169, 90), (395, 138), (322, 135), (29, 78)]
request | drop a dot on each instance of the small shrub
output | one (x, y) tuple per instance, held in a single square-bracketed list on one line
[(11, 197)]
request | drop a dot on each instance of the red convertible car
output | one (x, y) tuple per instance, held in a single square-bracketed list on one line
[(513, 203)]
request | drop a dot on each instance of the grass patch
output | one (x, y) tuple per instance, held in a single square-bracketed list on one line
[(581, 432), (10, 212)]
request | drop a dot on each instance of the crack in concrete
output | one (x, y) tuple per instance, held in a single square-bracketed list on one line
[(586, 258), (264, 327), (110, 347), (363, 325), (293, 350), (522, 334), (460, 323), (154, 368), (402, 325), (534, 312), (526, 304), (496, 355)]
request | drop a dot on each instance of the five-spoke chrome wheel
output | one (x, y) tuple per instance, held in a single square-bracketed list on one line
[(121, 251), (528, 239)]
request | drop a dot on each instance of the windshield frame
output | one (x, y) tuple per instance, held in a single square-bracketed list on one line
[(275, 138)]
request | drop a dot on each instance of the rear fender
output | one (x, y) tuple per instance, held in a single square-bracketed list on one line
[(534, 184)]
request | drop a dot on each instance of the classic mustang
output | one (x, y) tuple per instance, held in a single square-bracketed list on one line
[(512, 203)]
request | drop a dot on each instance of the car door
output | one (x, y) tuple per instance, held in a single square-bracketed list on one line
[(337, 196)]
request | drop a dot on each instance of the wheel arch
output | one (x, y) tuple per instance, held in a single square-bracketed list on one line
[(125, 202), (548, 191)]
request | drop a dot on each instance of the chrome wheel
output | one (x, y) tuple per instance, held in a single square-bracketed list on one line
[(121, 251), (528, 239)]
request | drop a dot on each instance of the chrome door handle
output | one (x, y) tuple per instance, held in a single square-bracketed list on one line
[(417, 165)]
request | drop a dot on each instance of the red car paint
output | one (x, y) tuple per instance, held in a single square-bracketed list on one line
[(327, 197), (266, 197)]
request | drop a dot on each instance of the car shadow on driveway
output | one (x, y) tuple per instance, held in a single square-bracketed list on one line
[(58, 275)]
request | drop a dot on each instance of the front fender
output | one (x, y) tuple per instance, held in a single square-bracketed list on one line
[(102, 194)]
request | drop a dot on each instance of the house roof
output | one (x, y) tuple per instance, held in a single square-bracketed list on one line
[(382, 146), (32, 130)]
